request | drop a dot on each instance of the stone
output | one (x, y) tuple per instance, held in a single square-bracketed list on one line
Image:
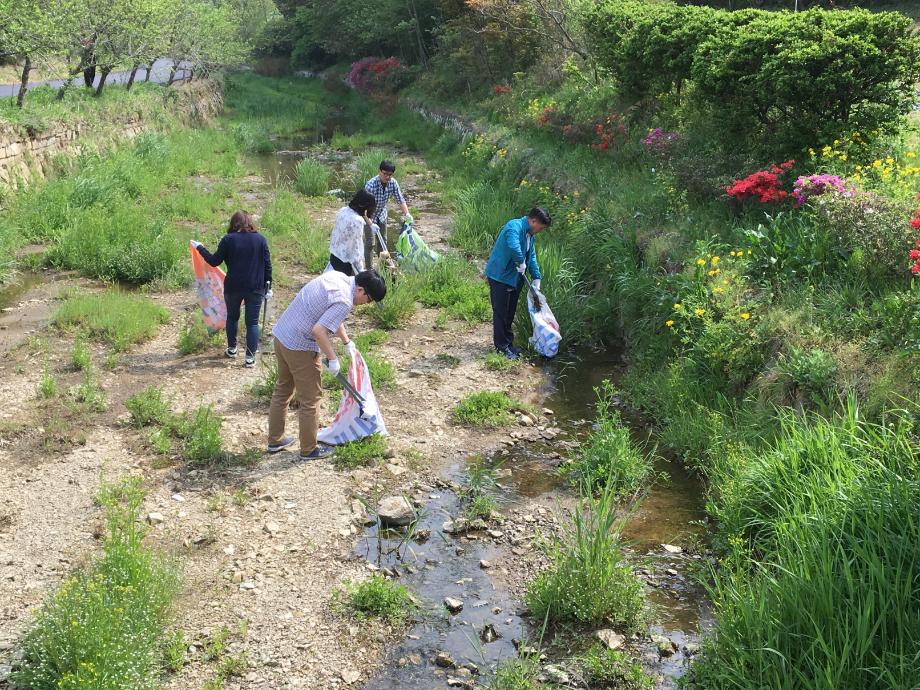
[(422, 536), (496, 534), (671, 572), (453, 605), (395, 511), (178, 498), (444, 660), (664, 645), (350, 676), (484, 564), (691, 648), (396, 470), (272, 528), (548, 412), (525, 420), (237, 577), (155, 518), (556, 674), (670, 548), (489, 633), (610, 639)]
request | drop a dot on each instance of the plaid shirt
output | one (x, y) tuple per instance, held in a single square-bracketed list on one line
[(382, 194), (326, 300)]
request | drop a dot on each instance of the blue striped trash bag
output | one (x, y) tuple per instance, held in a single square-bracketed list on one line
[(412, 253), (546, 333), (349, 425)]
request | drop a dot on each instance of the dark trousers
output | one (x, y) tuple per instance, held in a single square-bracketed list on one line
[(253, 307), (504, 300), (341, 266)]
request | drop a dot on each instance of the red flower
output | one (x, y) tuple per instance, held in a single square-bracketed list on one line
[(915, 253), (915, 268)]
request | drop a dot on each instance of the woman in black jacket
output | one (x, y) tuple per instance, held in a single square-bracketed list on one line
[(249, 278)]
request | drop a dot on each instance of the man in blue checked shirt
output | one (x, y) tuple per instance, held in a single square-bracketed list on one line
[(383, 186), (512, 256)]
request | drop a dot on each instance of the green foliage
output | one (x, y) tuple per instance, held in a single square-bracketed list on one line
[(254, 137), (496, 361), (399, 306), (609, 461), (818, 532), (454, 285), (516, 674), (200, 432), (486, 408), (380, 597), (312, 177), (360, 453), (148, 408), (80, 356), (47, 386), (174, 651), (292, 235), (809, 372), (88, 394), (118, 318), (103, 627), (588, 579), (265, 386), (194, 335), (612, 668)]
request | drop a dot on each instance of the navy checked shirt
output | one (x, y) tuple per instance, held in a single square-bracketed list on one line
[(382, 194)]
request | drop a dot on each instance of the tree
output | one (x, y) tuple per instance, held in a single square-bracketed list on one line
[(551, 22)]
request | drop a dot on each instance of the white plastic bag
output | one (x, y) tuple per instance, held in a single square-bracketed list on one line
[(546, 333), (349, 424)]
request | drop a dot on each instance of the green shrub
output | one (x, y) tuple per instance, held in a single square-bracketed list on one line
[(194, 335), (103, 627), (80, 356), (609, 460), (118, 318), (496, 361), (47, 385), (200, 432), (399, 306), (588, 579), (380, 597), (148, 407), (812, 373), (312, 178), (88, 394), (454, 285), (360, 453), (486, 408), (255, 137)]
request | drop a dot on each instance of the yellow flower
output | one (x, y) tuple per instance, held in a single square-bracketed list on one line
[(811, 152), (826, 151), (843, 156), (910, 154), (749, 252), (699, 312), (889, 160), (677, 305), (715, 260), (731, 253), (876, 163), (701, 262), (745, 316), (669, 323), (718, 290)]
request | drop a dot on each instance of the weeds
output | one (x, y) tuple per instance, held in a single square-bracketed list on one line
[(200, 432), (174, 651), (377, 596), (194, 336), (360, 453), (104, 626), (312, 178), (80, 356), (148, 408), (115, 317), (516, 674), (89, 394), (264, 388), (496, 361), (451, 361), (603, 667), (486, 408), (47, 385)]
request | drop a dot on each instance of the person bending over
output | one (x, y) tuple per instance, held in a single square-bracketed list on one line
[(351, 240)]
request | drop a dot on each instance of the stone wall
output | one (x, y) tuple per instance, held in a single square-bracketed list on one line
[(25, 157)]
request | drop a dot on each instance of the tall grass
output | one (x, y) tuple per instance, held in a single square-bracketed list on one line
[(292, 234), (104, 626), (118, 318), (821, 532), (312, 178)]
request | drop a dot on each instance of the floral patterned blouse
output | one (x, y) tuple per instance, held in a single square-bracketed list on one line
[(347, 240)]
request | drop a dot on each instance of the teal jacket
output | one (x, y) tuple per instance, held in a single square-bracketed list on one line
[(508, 254)]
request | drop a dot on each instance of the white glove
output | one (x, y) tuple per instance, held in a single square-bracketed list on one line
[(408, 218), (332, 366), (195, 243), (269, 294), (522, 268), (536, 284), (351, 349)]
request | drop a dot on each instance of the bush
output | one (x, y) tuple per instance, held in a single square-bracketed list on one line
[(810, 373), (115, 317), (609, 460), (148, 407), (487, 408), (200, 431), (312, 178), (254, 137), (194, 335), (102, 628), (454, 285), (380, 597)]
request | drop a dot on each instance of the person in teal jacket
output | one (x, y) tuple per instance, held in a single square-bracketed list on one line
[(512, 255)]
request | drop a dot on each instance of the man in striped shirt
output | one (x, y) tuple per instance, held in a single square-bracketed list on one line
[(383, 186), (301, 336)]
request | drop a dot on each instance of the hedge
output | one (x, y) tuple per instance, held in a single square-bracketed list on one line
[(790, 79)]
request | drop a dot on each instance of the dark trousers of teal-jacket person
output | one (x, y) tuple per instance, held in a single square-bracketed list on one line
[(512, 255)]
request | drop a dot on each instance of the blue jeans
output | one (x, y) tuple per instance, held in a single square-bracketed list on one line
[(253, 307)]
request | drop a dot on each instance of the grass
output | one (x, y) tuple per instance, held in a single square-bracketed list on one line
[(80, 357), (47, 385), (609, 460), (496, 361), (611, 668), (516, 674), (104, 626), (265, 386), (200, 433), (115, 317), (486, 409), (88, 394), (380, 597), (588, 580), (360, 453), (399, 306), (454, 285), (292, 235), (148, 408), (312, 178), (194, 336)]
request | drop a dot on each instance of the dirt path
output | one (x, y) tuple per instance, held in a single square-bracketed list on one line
[(263, 548)]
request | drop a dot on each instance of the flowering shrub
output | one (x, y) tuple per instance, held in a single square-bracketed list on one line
[(374, 75), (915, 253), (658, 140), (856, 157), (502, 89), (610, 131), (763, 185), (816, 185)]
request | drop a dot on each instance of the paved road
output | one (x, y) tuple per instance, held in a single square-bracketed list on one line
[(159, 74)]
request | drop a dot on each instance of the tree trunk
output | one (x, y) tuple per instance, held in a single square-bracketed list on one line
[(131, 77), (149, 71), (422, 53), (24, 82), (172, 74), (104, 74)]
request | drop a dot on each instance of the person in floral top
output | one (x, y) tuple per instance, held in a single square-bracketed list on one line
[(352, 235)]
